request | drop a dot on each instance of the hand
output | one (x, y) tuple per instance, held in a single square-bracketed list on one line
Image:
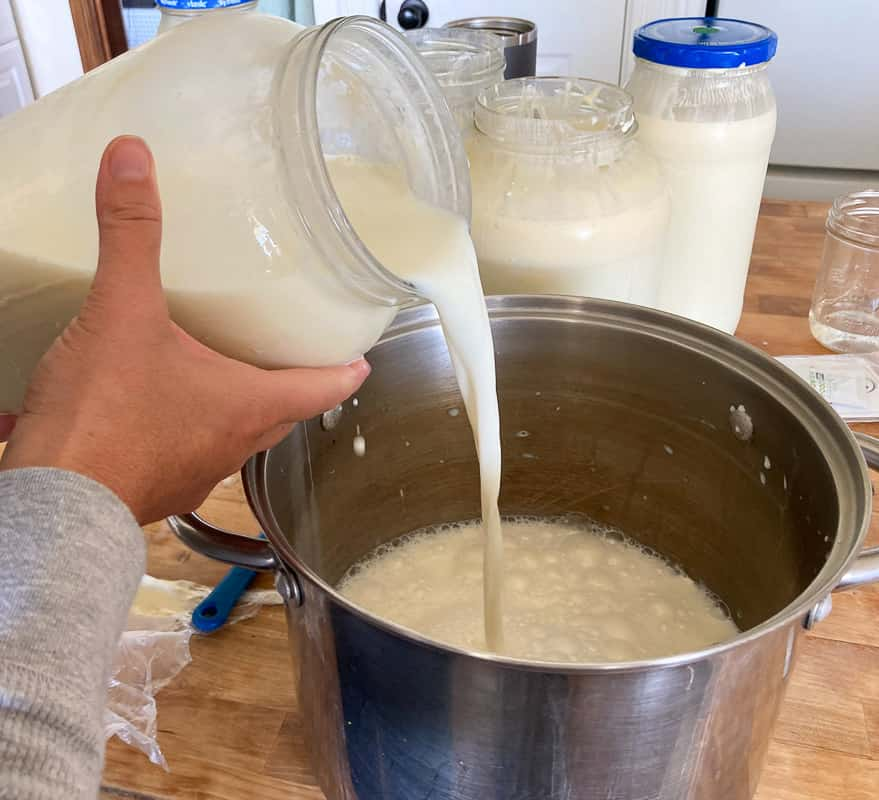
[(127, 398)]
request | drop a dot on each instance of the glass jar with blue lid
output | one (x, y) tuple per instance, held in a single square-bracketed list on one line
[(176, 12), (706, 110)]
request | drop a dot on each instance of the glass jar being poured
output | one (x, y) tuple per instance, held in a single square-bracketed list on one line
[(464, 62), (565, 201), (312, 181), (261, 257)]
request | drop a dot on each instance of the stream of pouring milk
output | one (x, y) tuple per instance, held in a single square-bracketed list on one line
[(432, 249)]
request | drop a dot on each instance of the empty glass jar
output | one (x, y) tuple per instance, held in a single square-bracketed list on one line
[(565, 201), (464, 62), (845, 306)]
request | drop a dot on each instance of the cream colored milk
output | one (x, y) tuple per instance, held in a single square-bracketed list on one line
[(543, 227), (239, 271), (262, 321), (715, 171), (433, 250), (574, 594)]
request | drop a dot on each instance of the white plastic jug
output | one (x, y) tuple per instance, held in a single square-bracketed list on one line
[(259, 260)]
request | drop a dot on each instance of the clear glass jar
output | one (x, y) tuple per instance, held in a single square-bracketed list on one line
[(564, 200), (464, 62), (259, 260), (710, 121), (845, 305), (176, 12)]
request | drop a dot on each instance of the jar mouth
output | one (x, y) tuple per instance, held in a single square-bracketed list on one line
[(355, 88), (458, 57), (576, 115), (856, 216)]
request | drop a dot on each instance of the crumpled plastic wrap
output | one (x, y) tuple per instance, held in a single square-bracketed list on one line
[(153, 649)]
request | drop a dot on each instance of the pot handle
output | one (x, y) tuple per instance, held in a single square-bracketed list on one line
[(232, 548), (866, 567)]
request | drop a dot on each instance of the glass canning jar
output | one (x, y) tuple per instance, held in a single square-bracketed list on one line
[(706, 110), (464, 62), (565, 201), (845, 305), (259, 260)]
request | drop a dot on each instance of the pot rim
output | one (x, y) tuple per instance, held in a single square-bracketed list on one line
[(834, 438)]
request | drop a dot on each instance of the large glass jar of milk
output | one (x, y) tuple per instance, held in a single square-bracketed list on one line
[(564, 200), (706, 109), (464, 62), (176, 12), (271, 143)]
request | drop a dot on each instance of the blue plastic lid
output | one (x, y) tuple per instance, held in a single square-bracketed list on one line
[(704, 42), (199, 5)]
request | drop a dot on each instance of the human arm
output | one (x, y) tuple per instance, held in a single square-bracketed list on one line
[(126, 420)]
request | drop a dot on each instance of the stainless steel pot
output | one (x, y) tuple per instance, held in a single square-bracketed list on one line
[(629, 418)]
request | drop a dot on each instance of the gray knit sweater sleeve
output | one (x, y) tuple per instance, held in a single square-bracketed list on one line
[(71, 557)]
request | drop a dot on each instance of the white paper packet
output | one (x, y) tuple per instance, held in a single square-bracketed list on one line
[(848, 382)]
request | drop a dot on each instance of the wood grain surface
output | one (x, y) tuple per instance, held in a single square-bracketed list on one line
[(230, 726)]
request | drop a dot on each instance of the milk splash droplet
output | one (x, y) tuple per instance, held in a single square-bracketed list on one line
[(359, 444)]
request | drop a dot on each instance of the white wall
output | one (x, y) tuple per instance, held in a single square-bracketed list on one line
[(49, 42)]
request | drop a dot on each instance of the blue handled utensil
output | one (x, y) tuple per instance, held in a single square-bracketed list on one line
[(212, 612)]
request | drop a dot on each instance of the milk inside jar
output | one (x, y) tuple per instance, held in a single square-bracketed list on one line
[(311, 183), (706, 110), (565, 201), (259, 260)]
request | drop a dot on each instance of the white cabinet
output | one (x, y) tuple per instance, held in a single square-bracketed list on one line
[(15, 83), (586, 38), (15, 86), (826, 79), (7, 23)]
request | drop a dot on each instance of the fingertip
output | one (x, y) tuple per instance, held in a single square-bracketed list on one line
[(361, 368), (129, 158)]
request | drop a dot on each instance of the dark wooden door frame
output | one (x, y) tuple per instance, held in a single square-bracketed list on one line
[(100, 31)]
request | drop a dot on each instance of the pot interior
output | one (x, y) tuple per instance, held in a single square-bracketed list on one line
[(609, 411)]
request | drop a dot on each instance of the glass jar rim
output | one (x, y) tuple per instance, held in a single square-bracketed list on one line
[(458, 57), (855, 216), (306, 176), (545, 114)]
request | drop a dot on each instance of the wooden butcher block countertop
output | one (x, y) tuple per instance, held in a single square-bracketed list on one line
[(229, 724)]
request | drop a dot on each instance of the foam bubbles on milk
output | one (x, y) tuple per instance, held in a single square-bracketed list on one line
[(574, 592)]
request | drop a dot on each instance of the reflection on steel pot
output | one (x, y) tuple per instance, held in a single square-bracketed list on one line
[(771, 521), (520, 41)]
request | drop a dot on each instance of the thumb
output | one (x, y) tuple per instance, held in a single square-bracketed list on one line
[(293, 395), (130, 228)]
